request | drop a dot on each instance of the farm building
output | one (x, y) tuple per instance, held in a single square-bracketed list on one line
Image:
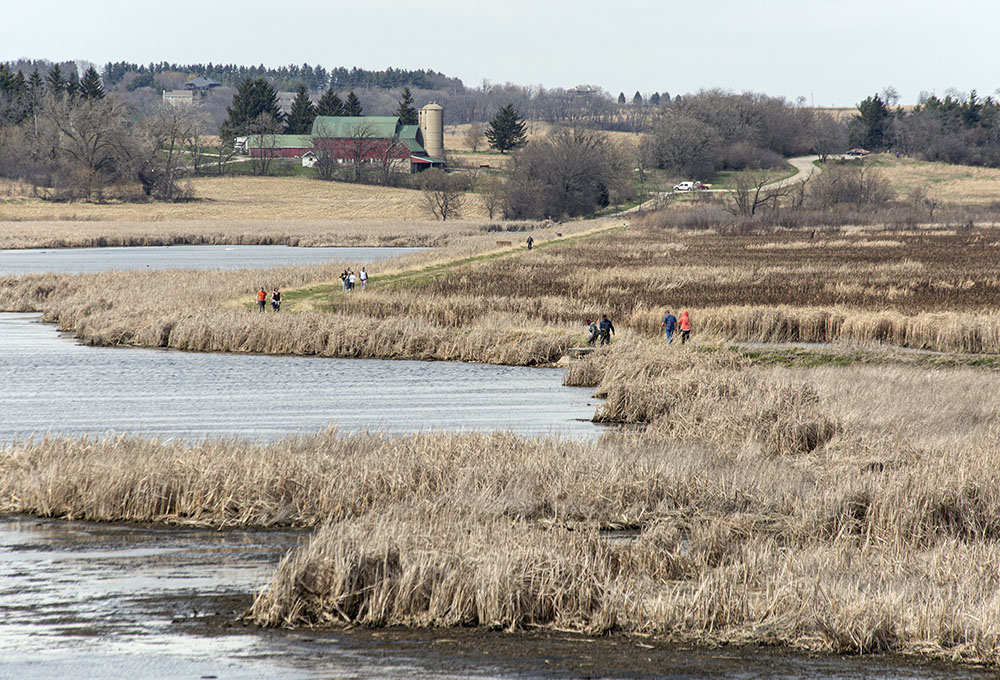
[(368, 139)]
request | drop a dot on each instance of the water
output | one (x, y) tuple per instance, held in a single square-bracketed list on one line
[(83, 260), (52, 384)]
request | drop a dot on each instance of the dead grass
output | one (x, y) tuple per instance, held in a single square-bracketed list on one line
[(372, 232), (249, 198), (883, 537), (950, 184)]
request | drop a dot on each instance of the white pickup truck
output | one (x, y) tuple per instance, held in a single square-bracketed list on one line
[(691, 186)]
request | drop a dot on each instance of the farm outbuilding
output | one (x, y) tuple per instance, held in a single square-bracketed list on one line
[(362, 138)]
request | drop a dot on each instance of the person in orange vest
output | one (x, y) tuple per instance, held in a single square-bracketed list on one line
[(684, 323), (261, 298)]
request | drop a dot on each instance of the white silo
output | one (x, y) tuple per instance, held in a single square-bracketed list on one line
[(431, 119)]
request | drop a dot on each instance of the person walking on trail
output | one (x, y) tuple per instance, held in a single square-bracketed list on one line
[(343, 279), (351, 278), (531, 241), (685, 325), (669, 323), (364, 278), (262, 298), (276, 300), (593, 332), (607, 330)]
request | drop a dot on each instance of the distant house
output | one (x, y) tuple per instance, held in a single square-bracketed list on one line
[(201, 83), (368, 139), (178, 96)]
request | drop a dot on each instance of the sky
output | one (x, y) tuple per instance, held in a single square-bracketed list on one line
[(829, 52)]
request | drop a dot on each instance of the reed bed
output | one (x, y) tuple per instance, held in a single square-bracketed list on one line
[(80, 233), (930, 289), (883, 537)]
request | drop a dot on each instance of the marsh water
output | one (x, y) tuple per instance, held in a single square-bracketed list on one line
[(86, 260), (53, 384)]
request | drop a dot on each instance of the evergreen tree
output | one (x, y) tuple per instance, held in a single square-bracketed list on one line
[(6, 79), (352, 107), (91, 86), (507, 130), (255, 97), (637, 98), (330, 104), (20, 84), (300, 118), (406, 112), (54, 80), (73, 84), (621, 97), (654, 99), (35, 84), (867, 129)]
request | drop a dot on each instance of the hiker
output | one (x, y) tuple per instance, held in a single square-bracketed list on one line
[(669, 323), (276, 300), (364, 278), (607, 330), (592, 330), (262, 298), (343, 279), (351, 278), (530, 242), (685, 325)]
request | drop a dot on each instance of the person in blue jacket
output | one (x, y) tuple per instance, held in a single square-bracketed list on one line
[(669, 324), (607, 330)]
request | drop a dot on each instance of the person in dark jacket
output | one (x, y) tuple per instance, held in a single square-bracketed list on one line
[(607, 330)]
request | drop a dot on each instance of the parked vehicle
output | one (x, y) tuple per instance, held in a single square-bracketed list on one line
[(691, 186), (858, 152)]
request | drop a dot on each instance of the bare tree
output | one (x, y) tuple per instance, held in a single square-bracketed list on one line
[(756, 191), (491, 192), (361, 146), (474, 135), (263, 130), (443, 193), (829, 136), (390, 159)]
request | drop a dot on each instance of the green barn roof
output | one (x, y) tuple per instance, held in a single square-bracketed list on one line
[(280, 141), (345, 127)]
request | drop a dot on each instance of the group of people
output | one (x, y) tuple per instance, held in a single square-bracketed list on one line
[(603, 330), (350, 279), (672, 323), (275, 299)]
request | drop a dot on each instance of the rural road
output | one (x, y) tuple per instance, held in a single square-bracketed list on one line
[(804, 166)]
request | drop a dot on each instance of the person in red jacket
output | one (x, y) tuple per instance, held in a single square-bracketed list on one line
[(684, 323), (261, 298)]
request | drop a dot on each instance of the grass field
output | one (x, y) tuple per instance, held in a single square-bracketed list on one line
[(953, 184), (248, 198)]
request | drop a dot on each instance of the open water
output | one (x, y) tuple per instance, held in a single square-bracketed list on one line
[(86, 260)]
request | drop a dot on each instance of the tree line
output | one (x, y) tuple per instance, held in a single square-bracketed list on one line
[(956, 129), (314, 78)]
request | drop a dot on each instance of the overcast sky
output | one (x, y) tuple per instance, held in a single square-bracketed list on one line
[(832, 52)]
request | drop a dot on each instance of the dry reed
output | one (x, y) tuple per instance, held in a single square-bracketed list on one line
[(842, 546)]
